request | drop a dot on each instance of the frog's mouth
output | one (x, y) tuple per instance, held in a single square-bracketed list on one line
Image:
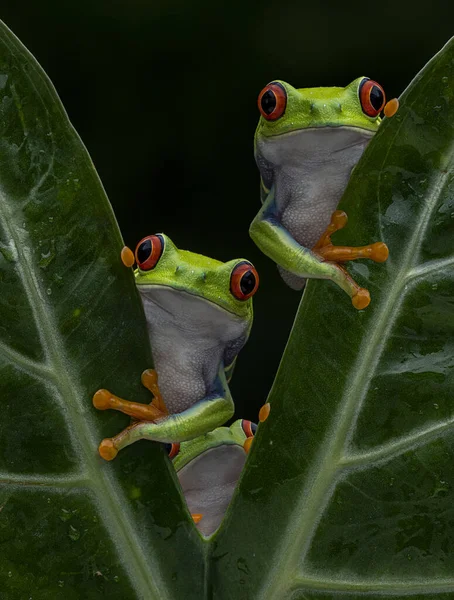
[(190, 312), (311, 155), (315, 145), (208, 483)]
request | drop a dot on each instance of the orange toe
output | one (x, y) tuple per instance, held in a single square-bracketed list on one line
[(247, 444), (380, 252), (197, 517), (127, 257), (107, 449), (264, 412), (101, 400), (361, 299)]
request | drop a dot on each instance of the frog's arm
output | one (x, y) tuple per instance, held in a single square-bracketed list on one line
[(207, 414), (277, 243)]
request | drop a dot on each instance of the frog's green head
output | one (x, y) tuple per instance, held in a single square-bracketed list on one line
[(229, 285), (185, 452), (285, 109)]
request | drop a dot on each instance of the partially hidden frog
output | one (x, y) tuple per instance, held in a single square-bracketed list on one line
[(208, 468), (199, 315), (306, 144)]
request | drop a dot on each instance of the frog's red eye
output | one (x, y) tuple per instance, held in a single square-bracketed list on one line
[(272, 101), (372, 97), (249, 428), (244, 280), (149, 251), (172, 449)]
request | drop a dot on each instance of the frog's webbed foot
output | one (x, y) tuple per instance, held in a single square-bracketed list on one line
[(378, 252), (103, 400), (143, 414), (325, 249)]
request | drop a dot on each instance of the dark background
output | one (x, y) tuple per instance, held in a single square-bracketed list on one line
[(164, 94)]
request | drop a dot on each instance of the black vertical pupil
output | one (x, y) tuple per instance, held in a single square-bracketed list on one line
[(247, 283), (168, 448), (376, 97), (268, 102), (144, 251)]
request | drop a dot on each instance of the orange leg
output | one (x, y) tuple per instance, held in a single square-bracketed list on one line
[(103, 400), (377, 252), (109, 447), (150, 381), (338, 221)]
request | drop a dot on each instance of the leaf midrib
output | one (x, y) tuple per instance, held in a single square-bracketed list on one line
[(326, 471), (142, 570)]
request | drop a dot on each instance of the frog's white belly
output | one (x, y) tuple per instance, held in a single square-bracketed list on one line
[(310, 171), (188, 337), (208, 483)]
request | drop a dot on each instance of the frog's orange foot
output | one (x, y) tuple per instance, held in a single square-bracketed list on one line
[(338, 221), (196, 517), (107, 449), (103, 400), (377, 252), (149, 380), (264, 412), (127, 257), (247, 444), (361, 299)]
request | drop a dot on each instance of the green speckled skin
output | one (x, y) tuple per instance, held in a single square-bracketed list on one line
[(198, 275)]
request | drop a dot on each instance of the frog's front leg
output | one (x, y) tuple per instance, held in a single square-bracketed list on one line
[(378, 252), (277, 243), (205, 415), (104, 400)]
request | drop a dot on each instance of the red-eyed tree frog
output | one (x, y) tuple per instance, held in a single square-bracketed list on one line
[(199, 315), (306, 144), (208, 468)]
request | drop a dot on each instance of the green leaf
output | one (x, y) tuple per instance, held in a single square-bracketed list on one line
[(349, 487), (71, 525), (348, 490)]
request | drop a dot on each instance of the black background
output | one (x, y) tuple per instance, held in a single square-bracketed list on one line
[(164, 94)]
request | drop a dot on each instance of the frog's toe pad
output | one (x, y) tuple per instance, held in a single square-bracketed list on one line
[(339, 219), (361, 299), (379, 252), (247, 444), (101, 400), (107, 449)]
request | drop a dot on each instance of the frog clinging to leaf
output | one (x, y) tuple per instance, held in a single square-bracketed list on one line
[(199, 315), (306, 144)]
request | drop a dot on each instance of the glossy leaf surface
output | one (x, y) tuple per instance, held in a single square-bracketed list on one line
[(349, 487), (71, 525)]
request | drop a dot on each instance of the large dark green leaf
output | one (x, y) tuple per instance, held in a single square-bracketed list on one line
[(71, 525), (349, 488)]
